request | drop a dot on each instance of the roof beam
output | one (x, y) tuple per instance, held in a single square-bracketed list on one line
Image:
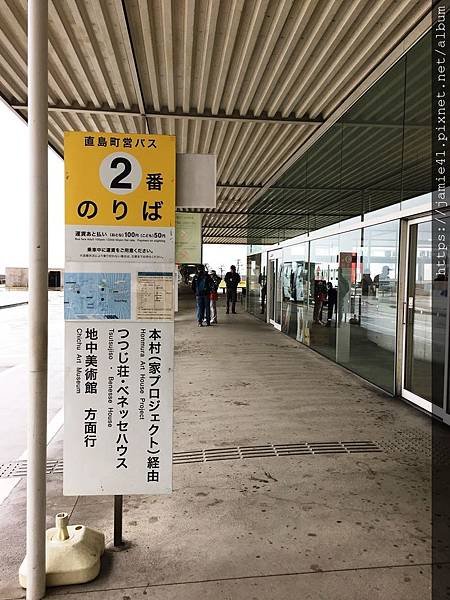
[(246, 227), (165, 114), (281, 188), (208, 116), (243, 239), (281, 214)]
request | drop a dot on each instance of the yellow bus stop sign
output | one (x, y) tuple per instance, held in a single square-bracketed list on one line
[(115, 179)]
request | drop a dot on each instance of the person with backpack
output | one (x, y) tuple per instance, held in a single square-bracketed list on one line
[(320, 296), (232, 280), (214, 295), (202, 285)]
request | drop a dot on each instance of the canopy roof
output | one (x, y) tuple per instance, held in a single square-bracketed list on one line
[(253, 81)]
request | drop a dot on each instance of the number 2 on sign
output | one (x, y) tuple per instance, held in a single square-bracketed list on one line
[(120, 173)]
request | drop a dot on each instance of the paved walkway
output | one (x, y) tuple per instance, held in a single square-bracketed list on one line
[(278, 526)]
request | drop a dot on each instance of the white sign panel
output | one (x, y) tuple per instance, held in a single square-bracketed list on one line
[(118, 308), (120, 381), (120, 244), (196, 181)]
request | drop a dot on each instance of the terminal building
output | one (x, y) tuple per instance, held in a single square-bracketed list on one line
[(351, 273)]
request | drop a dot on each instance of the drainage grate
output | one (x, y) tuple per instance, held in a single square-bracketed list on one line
[(272, 450), (19, 468)]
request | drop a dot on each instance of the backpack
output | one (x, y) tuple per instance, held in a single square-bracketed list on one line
[(215, 282)]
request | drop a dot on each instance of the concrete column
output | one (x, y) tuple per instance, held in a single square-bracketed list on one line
[(38, 296)]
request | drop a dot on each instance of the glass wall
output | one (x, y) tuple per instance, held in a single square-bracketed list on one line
[(275, 285), (324, 278), (418, 343), (339, 296), (369, 347), (340, 290), (348, 309), (295, 290), (257, 285)]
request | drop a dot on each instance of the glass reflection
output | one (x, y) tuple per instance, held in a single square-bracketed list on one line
[(342, 299), (323, 297), (294, 290), (418, 372), (372, 342), (257, 285), (348, 296)]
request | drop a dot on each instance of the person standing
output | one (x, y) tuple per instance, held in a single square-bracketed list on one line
[(332, 302), (216, 279), (320, 296), (232, 280), (202, 286), (263, 283)]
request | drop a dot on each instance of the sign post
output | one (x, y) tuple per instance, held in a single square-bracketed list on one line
[(117, 523), (118, 307)]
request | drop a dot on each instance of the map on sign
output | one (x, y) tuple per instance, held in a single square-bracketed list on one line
[(97, 296), (154, 296)]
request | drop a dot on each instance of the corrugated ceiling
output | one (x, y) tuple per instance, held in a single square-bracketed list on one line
[(247, 80)]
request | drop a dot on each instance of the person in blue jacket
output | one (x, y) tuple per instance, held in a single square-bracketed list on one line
[(202, 286)]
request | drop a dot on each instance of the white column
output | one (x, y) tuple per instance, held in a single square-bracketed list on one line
[(38, 296)]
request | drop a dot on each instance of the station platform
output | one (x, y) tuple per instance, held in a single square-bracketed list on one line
[(293, 478)]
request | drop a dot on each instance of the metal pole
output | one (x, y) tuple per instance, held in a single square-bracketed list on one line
[(38, 296), (118, 503)]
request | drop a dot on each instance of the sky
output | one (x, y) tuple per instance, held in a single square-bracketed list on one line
[(224, 255), (14, 232), (15, 222)]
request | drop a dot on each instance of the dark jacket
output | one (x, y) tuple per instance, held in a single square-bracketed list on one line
[(216, 279), (200, 287), (232, 280)]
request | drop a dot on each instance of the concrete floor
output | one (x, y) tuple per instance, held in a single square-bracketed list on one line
[(322, 527)]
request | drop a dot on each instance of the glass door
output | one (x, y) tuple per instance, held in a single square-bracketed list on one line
[(275, 288), (417, 319)]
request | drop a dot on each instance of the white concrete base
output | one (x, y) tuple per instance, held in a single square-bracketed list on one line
[(72, 554)]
